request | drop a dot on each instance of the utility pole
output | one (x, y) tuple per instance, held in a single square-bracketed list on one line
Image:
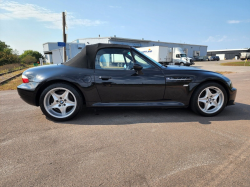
[(64, 36)]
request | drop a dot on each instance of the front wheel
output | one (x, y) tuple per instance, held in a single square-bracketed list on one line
[(60, 102), (181, 64), (209, 99)]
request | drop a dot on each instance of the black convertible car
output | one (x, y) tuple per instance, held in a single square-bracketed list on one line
[(110, 75)]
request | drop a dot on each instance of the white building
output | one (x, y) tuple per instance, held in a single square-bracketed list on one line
[(226, 54), (53, 53)]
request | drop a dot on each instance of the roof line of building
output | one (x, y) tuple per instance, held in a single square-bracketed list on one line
[(57, 42), (136, 40), (229, 50)]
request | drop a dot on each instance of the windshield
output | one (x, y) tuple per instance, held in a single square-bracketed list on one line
[(157, 63), (183, 55)]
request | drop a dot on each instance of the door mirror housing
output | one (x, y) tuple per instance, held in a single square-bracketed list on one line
[(137, 67)]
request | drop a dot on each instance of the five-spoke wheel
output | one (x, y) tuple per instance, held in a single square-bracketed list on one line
[(60, 101), (209, 99)]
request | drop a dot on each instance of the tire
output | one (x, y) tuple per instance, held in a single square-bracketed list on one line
[(206, 106), (181, 64), (60, 102)]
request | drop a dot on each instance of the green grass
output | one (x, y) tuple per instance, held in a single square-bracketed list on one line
[(10, 67), (241, 63), (13, 67)]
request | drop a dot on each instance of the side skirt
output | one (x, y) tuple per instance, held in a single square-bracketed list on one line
[(144, 104)]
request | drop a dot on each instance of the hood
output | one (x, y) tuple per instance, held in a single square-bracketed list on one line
[(185, 59), (182, 68), (199, 75)]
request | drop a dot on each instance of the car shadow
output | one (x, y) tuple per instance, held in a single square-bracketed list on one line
[(128, 116)]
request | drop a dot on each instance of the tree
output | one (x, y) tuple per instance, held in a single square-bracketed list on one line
[(28, 59), (15, 52), (35, 54), (6, 54), (3, 46)]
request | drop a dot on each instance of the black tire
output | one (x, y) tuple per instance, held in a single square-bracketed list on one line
[(181, 64), (77, 96), (194, 100)]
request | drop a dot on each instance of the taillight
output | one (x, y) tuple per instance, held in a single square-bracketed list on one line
[(25, 79)]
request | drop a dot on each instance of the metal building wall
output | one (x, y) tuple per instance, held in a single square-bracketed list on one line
[(189, 47), (48, 58), (72, 48), (228, 54)]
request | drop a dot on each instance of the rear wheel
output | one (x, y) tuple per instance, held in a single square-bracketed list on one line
[(60, 102), (209, 99), (181, 64)]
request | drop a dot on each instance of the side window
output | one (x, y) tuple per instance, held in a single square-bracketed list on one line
[(113, 59), (142, 61), (177, 56)]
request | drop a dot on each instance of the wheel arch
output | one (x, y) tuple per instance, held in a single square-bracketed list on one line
[(48, 83), (207, 81)]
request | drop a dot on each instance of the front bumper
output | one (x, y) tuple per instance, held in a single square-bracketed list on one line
[(27, 92), (232, 96), (191, 62)]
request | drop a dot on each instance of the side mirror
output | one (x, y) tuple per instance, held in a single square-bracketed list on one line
[(137, 67)]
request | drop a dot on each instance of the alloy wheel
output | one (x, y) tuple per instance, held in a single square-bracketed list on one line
[(60, 102), (210, 100)]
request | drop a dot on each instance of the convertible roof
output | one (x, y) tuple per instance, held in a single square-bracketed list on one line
[(86, 58)]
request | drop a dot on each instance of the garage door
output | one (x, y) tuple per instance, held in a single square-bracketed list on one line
[(222, 56)]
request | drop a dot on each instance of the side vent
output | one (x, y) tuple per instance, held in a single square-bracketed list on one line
[(178, 78)]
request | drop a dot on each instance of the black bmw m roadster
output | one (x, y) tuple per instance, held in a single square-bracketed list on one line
[(110, 75)]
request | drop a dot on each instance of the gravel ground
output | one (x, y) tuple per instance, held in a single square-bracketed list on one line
[(126, 147)]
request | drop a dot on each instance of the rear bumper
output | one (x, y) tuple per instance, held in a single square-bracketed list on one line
[(27, 93), (232, 96)]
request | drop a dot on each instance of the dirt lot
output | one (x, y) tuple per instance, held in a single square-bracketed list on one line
[(126, 147)]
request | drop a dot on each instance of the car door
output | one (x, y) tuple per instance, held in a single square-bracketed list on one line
[(117, 81), (176, 60)]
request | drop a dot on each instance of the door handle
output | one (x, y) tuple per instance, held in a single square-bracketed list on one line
[(104, 77)]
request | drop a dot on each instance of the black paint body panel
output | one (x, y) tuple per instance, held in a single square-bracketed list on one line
[(129, 86), (28, 96)]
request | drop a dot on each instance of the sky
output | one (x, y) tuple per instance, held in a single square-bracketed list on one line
[(219, 24)]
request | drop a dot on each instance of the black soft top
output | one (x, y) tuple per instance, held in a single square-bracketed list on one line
[(86, 58)]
